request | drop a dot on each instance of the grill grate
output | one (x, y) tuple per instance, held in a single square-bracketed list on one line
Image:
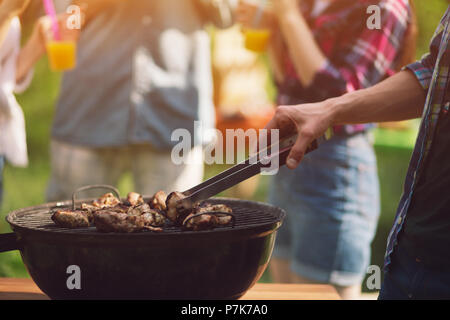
[(248, 215)]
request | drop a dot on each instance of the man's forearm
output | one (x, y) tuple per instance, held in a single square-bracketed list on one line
[(400, 97)]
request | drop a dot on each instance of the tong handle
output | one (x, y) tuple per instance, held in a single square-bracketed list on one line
[(283, 143), (235, 175), (245, 170)]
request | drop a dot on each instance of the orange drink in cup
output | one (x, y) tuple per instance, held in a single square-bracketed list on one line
[(256, 36), (256, 39), (61, 55)]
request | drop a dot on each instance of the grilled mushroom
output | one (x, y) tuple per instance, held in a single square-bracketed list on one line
[(158, 201), (135, 199), (175, 212), (105, 201)]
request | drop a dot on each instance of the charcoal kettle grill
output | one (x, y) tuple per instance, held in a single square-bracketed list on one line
[(222, 263), (174, 264)]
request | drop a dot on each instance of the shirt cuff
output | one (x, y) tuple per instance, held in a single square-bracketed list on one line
[(422, 73)]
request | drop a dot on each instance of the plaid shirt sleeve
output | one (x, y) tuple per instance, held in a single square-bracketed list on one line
[(423, 69), (369, 58)]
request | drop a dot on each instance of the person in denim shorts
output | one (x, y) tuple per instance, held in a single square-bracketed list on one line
[(417, 259), (322, 49)]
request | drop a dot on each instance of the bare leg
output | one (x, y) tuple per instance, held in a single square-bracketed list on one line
[(346, 293), (280, 271), (350, 292)]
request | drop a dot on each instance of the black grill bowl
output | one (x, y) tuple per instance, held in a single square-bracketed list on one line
[(217, 264)]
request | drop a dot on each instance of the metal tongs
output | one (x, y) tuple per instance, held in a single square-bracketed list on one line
[(244, 170)]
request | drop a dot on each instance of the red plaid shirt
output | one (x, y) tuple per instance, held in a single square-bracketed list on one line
[(357, 57)]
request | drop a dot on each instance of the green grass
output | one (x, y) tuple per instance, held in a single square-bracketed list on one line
[(26, 187), (429, 13)]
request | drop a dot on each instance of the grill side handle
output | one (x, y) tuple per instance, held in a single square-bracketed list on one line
[(8, 242)]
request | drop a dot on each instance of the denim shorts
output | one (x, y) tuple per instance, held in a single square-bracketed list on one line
[(332, 205)]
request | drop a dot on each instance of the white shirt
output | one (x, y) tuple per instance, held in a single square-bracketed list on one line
[(12, 123)]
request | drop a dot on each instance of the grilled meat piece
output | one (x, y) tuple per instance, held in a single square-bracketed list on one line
[(72, 219), (89, 207), (138, 210), (158, 201), (106, 201), (201, 220), (151, 216), (223, 219), (123, 208), (213, 208), (110, 221), (154, 218), (175, 211), (109, 214), (135, 199)]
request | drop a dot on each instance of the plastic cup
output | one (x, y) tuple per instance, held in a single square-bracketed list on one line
[(256, 39), (61, 55)]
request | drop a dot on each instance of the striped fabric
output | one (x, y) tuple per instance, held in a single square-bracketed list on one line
[(432, 71), (357, 56)]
